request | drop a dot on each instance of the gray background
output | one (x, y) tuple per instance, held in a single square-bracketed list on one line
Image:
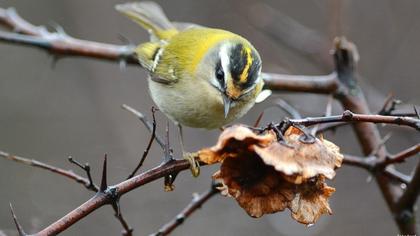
[(74, 109)]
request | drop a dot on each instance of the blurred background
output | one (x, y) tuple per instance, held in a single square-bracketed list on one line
[(73, 108)]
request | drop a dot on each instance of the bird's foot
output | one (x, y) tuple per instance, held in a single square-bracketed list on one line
[(194, 164)]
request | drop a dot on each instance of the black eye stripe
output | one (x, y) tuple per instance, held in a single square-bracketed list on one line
[(219, 73)]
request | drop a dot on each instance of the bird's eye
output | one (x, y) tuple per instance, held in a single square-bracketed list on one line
[(220, 75)]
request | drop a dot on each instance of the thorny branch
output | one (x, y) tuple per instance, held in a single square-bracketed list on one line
[(111, 194), (87, 182), (342, 84)]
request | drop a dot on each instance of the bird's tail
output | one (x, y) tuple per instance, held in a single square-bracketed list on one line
[(150, 16)]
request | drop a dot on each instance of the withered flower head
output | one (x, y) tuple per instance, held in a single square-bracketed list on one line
[(267, 176)]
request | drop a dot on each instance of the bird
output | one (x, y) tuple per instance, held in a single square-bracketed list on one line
[(199, 77)]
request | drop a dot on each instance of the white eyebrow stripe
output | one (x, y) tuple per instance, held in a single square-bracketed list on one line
[(157, 58), (225, 61)]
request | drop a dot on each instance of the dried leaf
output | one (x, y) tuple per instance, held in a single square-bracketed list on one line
[(266, 176)]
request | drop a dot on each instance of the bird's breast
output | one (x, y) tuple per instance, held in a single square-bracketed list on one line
[(195, 103)]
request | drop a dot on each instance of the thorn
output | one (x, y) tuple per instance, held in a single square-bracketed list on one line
[(117, 207), (125, 40), (416, 111), (104, 184), (122, 64), (59, 29), (18, 226), (169, 182), (388, 100), (54, 60), (257, 122)]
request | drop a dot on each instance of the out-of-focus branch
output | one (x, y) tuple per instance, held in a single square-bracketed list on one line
[(59, 42), (409, 198), (358, 161), (322, 84), (284, 29), (194, 205), (401, 156), (352, 98)]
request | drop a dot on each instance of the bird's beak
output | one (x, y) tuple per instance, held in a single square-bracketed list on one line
[(226, 103)]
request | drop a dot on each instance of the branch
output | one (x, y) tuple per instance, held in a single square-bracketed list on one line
[(112, 192), (409, 198), (149, 145), (19, 228), (87, 182), (145, 122), (349, 116), (352, 98), (322, 84), (401, 156), (365, 163), (194, 205), (370, 164), (59, 42), (285, 106), (31, 162)]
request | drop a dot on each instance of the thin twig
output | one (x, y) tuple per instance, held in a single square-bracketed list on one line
[(388, 100), (127, 229), (328, 110), (403, 155), (146, 123), (391, 172), (149, 145), (285, 106), (194, 205), (86, 168), (17, 224), (31, 162)]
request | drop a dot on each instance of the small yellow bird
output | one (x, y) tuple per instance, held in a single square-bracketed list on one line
[(199, 77)]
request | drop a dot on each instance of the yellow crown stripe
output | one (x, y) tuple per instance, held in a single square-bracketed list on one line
[(244, 75), (205, 45)]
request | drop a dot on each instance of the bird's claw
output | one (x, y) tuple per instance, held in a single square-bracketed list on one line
[(194, 164)]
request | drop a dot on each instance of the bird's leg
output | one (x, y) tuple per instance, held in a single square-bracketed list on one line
[(190, 157)]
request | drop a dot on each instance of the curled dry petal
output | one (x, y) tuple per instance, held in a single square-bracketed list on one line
[(302, 160), (266, 176)]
